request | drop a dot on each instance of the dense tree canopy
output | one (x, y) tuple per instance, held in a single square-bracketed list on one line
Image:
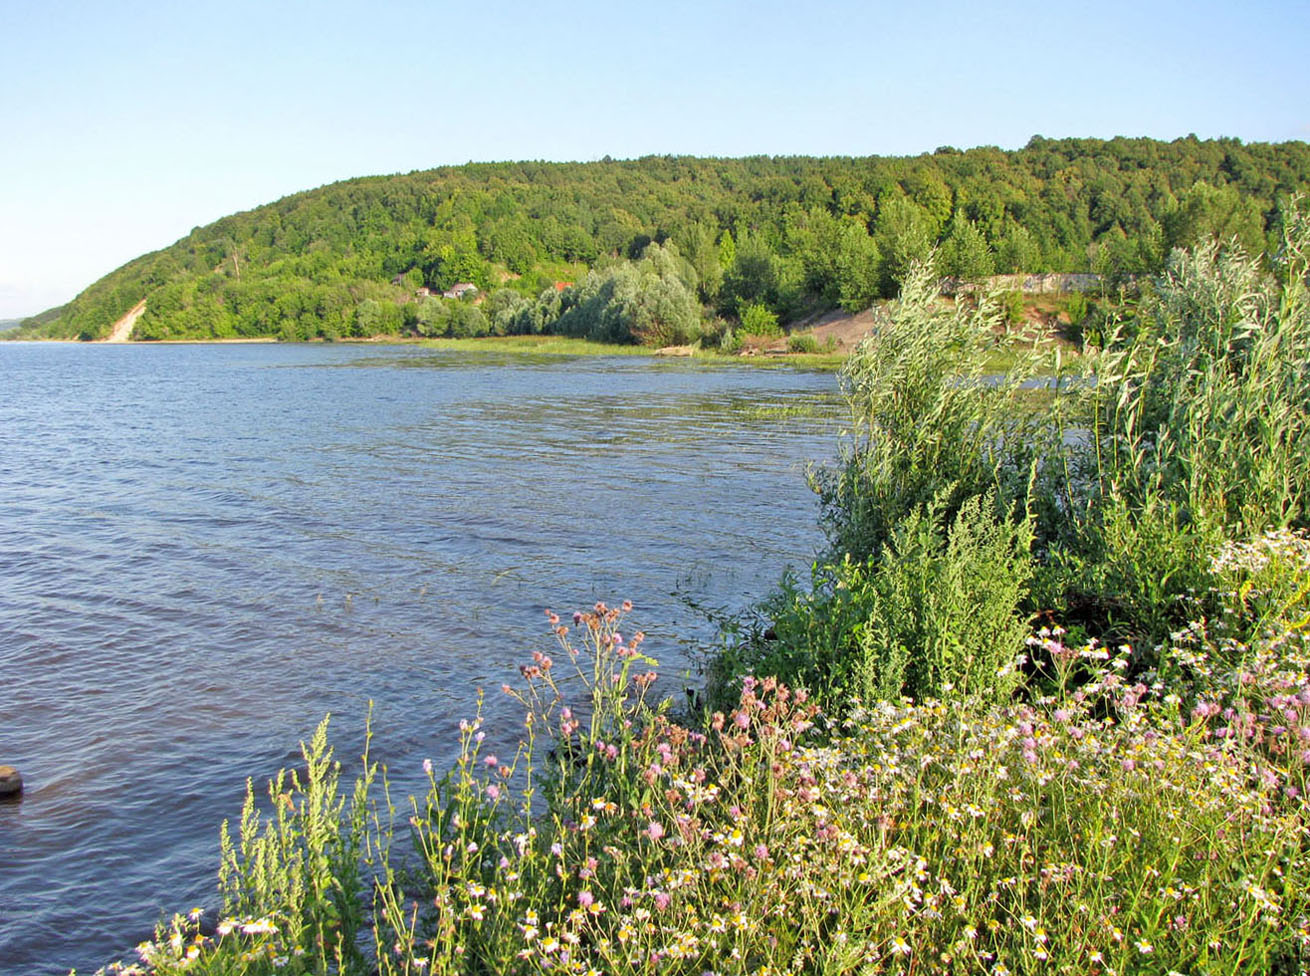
[(788, 234)]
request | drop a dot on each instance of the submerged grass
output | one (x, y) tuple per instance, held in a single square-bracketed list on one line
[(539, 344), (548, 345)]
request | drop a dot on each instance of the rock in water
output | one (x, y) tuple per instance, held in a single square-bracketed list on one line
[(11, 783)]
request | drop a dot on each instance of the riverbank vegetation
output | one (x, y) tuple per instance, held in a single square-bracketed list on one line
[(669, 250), (1042, 706)]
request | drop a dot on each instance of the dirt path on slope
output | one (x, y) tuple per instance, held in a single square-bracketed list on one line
[(122, 329), (836, 330)]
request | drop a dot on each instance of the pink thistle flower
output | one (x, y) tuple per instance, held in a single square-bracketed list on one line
[(655, 830)]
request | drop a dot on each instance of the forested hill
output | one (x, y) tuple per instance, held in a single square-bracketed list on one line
[(654, 249)]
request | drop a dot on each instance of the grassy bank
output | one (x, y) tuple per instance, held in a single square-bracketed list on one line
[(1041, 707), (539, 344), (1095, 830), (545, 345)]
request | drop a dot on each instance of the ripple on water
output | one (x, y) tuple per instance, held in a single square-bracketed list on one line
[(203, 549)]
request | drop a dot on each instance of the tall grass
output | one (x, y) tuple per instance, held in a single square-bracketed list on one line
[(1208, 403), (1200, 415)]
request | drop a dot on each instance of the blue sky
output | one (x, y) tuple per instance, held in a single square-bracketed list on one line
[(125, 123)]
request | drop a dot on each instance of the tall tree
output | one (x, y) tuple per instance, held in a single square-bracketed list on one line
[(904, 235), (964, 253)]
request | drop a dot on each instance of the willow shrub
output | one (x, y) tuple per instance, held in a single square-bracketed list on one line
[(928, 424), (1191, 427), (944, 481)]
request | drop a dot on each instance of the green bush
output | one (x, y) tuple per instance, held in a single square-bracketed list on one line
[(729, 341), (1127, 575), (803, 343), (946, 616), (757, 320), (936, 612), (1013, 308), (1076, 306)]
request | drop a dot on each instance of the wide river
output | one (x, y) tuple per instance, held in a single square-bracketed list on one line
[(204, 549)]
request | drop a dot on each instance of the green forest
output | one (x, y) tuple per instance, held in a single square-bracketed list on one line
[(665, 249)]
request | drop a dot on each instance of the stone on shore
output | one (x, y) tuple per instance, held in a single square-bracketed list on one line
[(11, 783)]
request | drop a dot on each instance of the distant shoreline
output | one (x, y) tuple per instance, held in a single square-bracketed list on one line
[(511, 345)]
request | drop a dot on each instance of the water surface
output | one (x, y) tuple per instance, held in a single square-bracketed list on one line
[(204, 549)]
